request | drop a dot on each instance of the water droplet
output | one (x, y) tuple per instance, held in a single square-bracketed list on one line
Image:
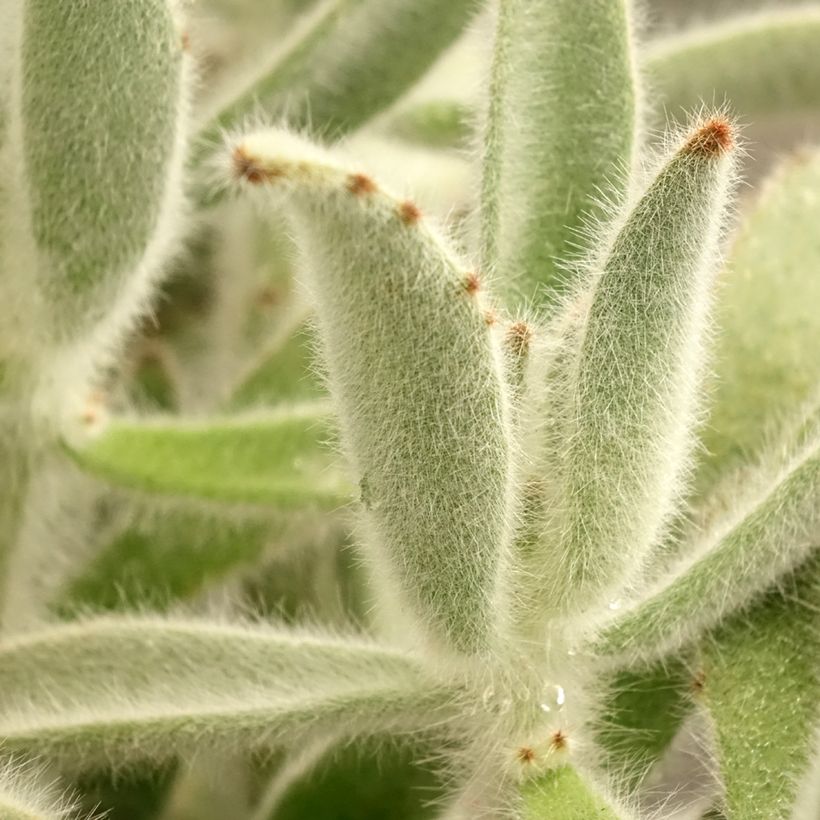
[(616, 604), (553, 698)]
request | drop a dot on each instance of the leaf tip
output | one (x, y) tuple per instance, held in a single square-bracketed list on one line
[(472, 284), (713, 138), (246, 167)]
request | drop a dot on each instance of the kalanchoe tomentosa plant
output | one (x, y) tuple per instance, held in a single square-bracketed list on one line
[(580, 483)]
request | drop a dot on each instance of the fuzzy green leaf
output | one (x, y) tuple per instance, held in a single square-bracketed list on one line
[(625, 445), (346, 62), (280, 459), (761, 674), (546, 153), (763, 64), (562, 794), (342, 784), (766, 360), (767, 534), (102, 161), (165, 556), (643, 711), (415, 367), (145, 688)]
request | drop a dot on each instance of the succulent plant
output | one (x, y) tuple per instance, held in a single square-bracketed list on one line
[(526, 497)]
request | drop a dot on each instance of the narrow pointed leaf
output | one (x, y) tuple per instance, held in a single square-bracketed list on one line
[(761, 687), (625, 446), (763, 63), (346, 62), (766, 361), (280, 459), (742, 555), (545, 155), (404, 326), (143, 688)]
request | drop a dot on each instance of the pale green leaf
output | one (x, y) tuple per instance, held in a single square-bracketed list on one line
[(623, 448), (766, 361), (404, 324), (102, 161), (146, 688), (279, 459), (561, 121), (763, 64), (345, 62)]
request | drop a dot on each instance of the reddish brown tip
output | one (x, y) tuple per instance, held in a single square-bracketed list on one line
[(185, 41), (558, 741), (716, 136), (526, 754), (409, 212), (698, 682), (519, 336), (360, 185), (490, 317), (472, 284), (250, 170)]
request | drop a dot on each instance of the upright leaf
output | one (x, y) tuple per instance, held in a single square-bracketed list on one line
[(624, 428), (561, 122), (101, 163)]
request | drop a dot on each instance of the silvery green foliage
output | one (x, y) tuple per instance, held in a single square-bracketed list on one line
[(527, 495)]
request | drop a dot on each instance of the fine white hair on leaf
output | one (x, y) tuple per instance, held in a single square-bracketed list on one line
[(112, 691), (414, 354), (628, 401), (544, 154), (765, 535), (28, 793)]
